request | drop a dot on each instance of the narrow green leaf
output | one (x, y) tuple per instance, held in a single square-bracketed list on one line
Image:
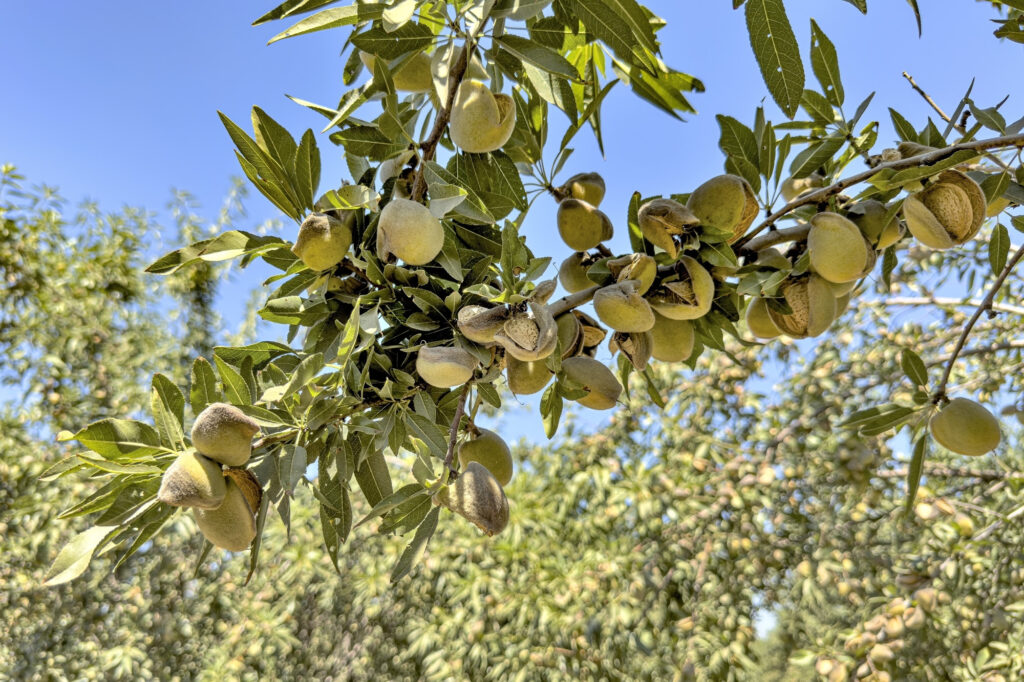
[(812, 157), (914, 367), (915, 470), (998, 248), (777, 52), (290, 7), (227, 245), (333, 18), (204, 386), (121, 439), (540, 56), (168, 407), (273, 138), (301, 375), (414, 551), (75, 556), (903, 127), (373, 478), (825, 63), (551, 409), (235, 388), (392, 45)]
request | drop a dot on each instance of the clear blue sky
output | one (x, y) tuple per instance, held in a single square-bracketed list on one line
[(117, 101)]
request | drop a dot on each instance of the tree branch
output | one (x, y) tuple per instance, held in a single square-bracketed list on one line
[(453, 432), (928, 158), (775, 237), (940, 470), (986, 304), (456, 75), (957, 127), (567, 303), (936, 300)]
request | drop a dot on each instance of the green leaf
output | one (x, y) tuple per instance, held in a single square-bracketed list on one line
[(121, 439), (260, 352), (915, 470), (428, 432), (291, 466), (263, 170), (75, 556), (392, 501), (664, 91), (551, 409), (623, 26), (414, 551), (273, 138), (914, 367), (825, 63), (224, 246), (998, 248), (917, 14), (812, 157), (235, 388), (331, 18), (392, 45), (373, 478), (301, 375), (818, 107), (368, 141), (306, 169), (168, 407), (204, 386), (406, 516), (990, 117), (903, 127), (538, 55), (739, 142), (290, 7), (777, 52)]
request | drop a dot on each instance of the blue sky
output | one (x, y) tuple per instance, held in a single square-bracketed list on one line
[(117, 101)]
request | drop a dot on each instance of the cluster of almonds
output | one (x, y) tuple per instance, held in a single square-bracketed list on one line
[(650, 309), (881, 638), (224, 501)]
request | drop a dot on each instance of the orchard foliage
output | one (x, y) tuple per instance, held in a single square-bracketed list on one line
[(386, 366)]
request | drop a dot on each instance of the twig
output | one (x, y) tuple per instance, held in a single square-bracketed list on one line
[(429, 146), (927, 97), (986, 304), (275, 438), (819, 195), (351, 267), (453, 432), (943, 471), (960, 128), (567, 303), (936, 300), (775, 237)]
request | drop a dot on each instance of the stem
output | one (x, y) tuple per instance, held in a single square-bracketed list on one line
[(957, 127), (927, 97), (775, 237), (429, 146), (943, 471), (351, 267), (453, 432), (567, 303), (986, 304), (933, 301), (928, 158)]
